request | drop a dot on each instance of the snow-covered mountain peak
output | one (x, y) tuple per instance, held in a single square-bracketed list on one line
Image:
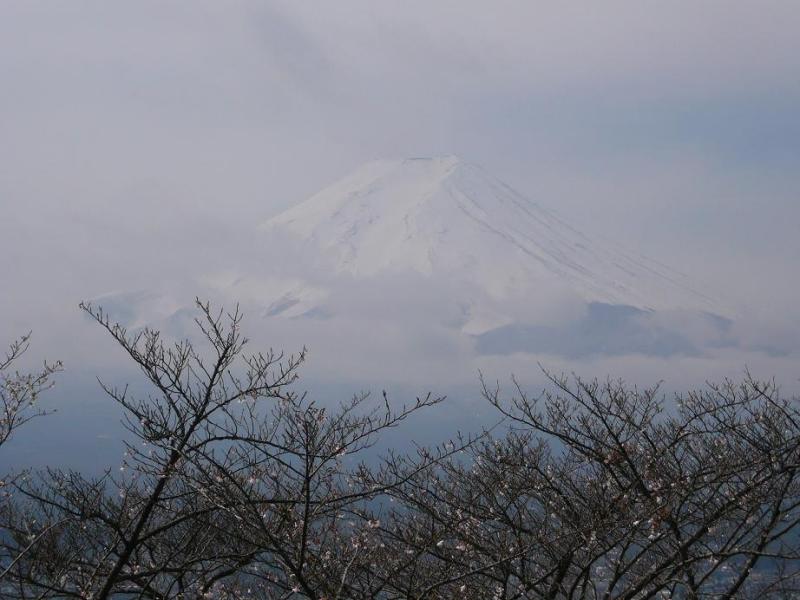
[(423, 249), (447, 218), (396, 186)]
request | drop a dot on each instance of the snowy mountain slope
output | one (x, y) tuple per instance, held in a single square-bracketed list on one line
[(444, 217), (438, 245)]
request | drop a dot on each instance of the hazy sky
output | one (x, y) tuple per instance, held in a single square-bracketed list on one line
[(137, 138)]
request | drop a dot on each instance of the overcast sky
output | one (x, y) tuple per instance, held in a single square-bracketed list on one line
[(139, 137)]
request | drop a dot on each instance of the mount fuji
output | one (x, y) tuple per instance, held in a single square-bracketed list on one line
[(492, 254)]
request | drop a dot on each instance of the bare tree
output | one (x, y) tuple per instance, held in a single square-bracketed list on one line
[(235, 485), (19, 393), (232, 481), (598, 491)]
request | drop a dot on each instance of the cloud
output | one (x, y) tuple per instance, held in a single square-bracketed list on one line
[(143, 141)]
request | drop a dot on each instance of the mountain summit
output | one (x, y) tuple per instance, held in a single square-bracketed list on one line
[(443, 217), (437, 249)]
